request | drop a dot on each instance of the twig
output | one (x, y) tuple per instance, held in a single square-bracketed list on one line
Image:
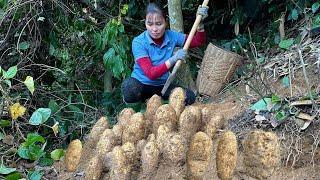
[(290, 79), (306, 77)]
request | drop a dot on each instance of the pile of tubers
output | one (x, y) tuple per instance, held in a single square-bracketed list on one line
[(166, 133)]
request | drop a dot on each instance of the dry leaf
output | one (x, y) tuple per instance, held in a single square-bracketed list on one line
[(55, 128), (236, 28), (8, 139), (260, 118)]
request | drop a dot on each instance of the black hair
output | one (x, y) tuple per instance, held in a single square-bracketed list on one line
[(155, 8)]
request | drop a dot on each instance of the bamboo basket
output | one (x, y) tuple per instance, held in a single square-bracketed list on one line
[(217, 68)]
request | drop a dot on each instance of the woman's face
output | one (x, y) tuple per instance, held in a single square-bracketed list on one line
[(156, 25)]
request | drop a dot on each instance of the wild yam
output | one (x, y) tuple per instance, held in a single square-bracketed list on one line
[(130, 152), (174, 150), (125, 115), (190, 121), (119, 164), (226, 157), (135, 129), (199, 155), (93, 169), (177, 100), (149, 158), (261, 154), (99, 127), (216, 122), (117, 130), (73, 155), (106, 142), (152, 105), (162, 136), (165, 115)]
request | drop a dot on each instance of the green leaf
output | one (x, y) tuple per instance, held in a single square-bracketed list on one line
[(286, 44), (36, 118), (98, 40), (262, 105), (51, 50), (107, 57), (275, 99), (29, 83), (8, 82), (35, 175), (24, 45), (5, 170), (124, 10), (280, 115), (34, 137), (54, 106), (286, 81), (13, 176), (23, 152), (46, 161), (261, 60), (1, 136), (294, 14), (315, 7), (57, 154), (5, 123), (40, 116), (12, 71), (35, 152), (118, 67)]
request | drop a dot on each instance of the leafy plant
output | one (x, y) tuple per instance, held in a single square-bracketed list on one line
[(30, 148)]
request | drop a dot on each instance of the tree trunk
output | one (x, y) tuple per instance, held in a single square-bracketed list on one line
[(183, 77)]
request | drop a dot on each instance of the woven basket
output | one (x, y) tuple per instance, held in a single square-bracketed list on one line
[(217, 68)]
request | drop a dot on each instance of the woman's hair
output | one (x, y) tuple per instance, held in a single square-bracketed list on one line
[(155, 8)]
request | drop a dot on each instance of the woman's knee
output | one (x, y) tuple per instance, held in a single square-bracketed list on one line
[(131, 90), (190, 97)]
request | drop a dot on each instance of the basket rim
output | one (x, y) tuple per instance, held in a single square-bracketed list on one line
[(233, 53)]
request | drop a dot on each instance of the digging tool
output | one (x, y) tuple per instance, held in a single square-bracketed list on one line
[(185, 47)]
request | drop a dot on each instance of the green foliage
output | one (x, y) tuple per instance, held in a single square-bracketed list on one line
[(40, 116), (35, 175), (12, 71), (57, 154), (46, 161), (30, 148), (13, 176), (5, 170), (286, 81), (315, 7), (24, 45), (262, 105), (286, 44)]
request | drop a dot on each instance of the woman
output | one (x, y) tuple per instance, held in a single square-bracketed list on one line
[(152, 51)]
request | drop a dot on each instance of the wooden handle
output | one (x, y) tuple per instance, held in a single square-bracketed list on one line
[(185, 47)]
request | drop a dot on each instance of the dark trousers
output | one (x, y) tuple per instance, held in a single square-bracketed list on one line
[(134, 91)]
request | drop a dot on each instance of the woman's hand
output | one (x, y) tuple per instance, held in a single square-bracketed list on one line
[(180, 54), (203, 11)]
